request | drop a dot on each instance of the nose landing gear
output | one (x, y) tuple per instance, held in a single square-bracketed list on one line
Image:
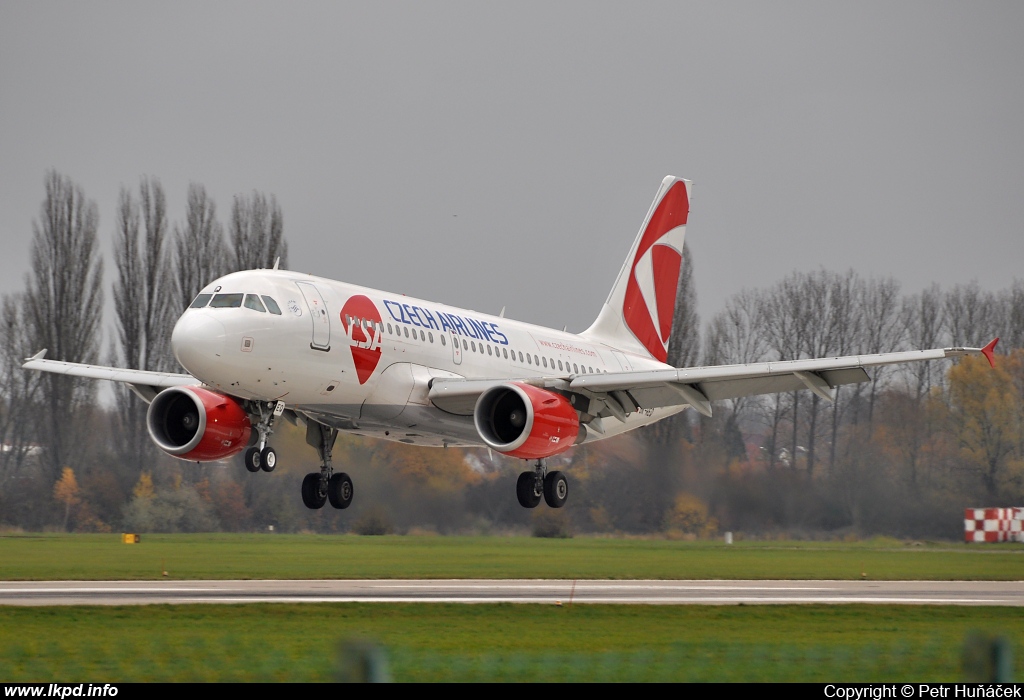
[(261, 455)]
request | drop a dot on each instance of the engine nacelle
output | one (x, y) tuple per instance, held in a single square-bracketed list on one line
[(197, 424), (521, 420)]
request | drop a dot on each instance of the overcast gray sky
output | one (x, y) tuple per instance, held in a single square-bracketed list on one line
[(486, 154)]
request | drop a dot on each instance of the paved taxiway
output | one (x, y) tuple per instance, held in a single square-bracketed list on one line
[(1003, 593)]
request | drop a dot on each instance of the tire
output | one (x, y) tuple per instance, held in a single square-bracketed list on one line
[(556, 489), (526, 490), (311, 496), (268, 459), (339, 490), (252, 459)]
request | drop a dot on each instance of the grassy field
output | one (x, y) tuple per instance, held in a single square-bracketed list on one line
[(495, 642), (247, 556)]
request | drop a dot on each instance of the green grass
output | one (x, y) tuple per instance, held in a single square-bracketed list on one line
[(423, 642), (248, 556)]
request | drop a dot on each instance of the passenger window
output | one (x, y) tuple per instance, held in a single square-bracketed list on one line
[(406, 330), (253, 302), (545, 362), (226, 301), (465, 345), (272, 306), (473, 343), (520, 355), (528, 360), (560, 366), (443, 341), (431, 336), (488, 349), (201, 301), (504, 351), (389, 329), (575, 369), (423, 336), (536, 360)]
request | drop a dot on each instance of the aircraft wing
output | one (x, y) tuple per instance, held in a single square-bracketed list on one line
[(620, 393), (145, 384)]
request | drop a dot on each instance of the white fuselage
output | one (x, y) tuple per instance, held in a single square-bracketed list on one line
[(361, 360)]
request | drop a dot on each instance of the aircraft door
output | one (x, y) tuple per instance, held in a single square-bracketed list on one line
[(318, 311), (456, 349)]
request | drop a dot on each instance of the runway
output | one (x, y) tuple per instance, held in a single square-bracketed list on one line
[(548, 592)]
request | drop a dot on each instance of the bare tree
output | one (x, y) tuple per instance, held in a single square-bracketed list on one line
[(882, 328), (257, 232), (845, 315), (1014, 329), (923, 318), (142, 296), (736, 336), (142, 291), (18, 388), (64, 304), (972, 316), (199, 248), (785, 324)]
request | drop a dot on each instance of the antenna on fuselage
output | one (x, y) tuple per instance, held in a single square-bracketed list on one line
[(502, 314), (277, 260)]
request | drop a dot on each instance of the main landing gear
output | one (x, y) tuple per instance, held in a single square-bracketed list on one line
[(552, 486), (318, 488), (261, 455)]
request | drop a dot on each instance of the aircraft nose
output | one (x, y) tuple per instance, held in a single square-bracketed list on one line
[(198, 342)]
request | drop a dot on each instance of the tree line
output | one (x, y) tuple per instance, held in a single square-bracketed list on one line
[(902, 454), (51, 424)]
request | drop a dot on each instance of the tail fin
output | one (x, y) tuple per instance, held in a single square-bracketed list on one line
[(638, 314)]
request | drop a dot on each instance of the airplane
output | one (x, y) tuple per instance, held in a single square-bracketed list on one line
[(260, 345)]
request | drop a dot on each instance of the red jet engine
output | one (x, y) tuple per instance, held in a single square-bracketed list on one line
[(197, 424), (521, 420)]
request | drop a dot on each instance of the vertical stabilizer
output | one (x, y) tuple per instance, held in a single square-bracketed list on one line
[(637, 317)]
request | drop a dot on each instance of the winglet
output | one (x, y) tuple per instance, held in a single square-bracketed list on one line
[(989, 352), (38, 356)]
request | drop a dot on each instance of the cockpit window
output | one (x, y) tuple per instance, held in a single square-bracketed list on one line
[(201, 301), (226, 301), (272, 306), (253, 302)]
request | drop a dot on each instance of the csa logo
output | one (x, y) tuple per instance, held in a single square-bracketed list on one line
[(651, 288), (362, 323)]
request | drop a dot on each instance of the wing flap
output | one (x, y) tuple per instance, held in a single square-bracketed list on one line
[(695, 386), (745, 378)]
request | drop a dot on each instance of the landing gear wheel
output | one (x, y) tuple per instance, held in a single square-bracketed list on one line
[(311, 496), (526, 490), (268, 459), (339, 490), (556, 489), (252, 459)]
